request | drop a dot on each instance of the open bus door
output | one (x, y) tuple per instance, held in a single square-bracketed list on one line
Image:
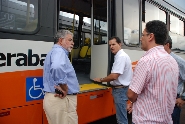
[(99, 98), (90, 56)]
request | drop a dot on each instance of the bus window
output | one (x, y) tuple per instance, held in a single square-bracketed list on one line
[(86, 29), (154, 13), (177, 41), (100, 22), (87, 39), (177, 33), (19, 16), (176, 25), (100, 31), (131, 22), (70, 22), (66, 21)]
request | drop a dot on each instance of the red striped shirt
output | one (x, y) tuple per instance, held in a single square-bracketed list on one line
[(155, 81)]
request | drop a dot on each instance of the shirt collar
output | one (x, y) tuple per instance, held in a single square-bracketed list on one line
[(58, 46), (156, 48), (119, 52)]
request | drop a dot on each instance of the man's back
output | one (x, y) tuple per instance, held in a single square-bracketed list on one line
[(181, 63), (155, 81)]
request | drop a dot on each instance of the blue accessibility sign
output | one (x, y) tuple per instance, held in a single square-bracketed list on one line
[(34, 88)]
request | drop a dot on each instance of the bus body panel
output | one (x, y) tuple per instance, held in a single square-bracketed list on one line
[(31, 114), (95, 105)]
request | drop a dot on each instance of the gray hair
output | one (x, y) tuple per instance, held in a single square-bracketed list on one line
[(61, 34), (168, 40)]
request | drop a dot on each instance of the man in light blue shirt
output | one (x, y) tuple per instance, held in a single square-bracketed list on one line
[(180, 95), (59, 73)]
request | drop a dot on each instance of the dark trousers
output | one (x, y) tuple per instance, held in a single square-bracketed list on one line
[(176, 114)]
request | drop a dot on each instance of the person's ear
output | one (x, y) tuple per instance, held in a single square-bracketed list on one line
[(168, 44), (120, 44), (151, 36), (61, 40)]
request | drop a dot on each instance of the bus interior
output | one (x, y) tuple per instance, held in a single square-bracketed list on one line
[(79, 20)]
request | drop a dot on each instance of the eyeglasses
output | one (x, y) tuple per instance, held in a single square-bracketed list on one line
[(144, 34)]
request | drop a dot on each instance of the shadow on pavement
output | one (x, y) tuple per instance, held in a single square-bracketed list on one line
[(111, 120)]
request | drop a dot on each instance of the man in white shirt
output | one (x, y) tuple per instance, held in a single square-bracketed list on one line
[(119, 78)]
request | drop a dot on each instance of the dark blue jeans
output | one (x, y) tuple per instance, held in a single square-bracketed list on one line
[(120, 100), (176, 114)]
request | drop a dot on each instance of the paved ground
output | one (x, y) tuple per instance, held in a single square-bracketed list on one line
[(110, 120)]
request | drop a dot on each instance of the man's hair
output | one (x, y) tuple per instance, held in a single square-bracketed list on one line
[(168, 40), (117, 39), (61, 34), (159, 29)]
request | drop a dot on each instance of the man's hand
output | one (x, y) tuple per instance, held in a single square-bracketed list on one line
[(180, 102), (129, 107), (97, 80), (60, 95)]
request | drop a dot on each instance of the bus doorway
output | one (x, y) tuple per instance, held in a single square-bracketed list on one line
[(90, 54), (89, 25)]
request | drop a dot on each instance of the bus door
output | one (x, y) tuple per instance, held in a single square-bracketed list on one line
[(88, 20), (99, 49), (89, 26)]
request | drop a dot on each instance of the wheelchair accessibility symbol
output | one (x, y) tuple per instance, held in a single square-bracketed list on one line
[(34, 88)]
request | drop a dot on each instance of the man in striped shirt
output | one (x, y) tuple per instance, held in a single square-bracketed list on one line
[(153, 88)]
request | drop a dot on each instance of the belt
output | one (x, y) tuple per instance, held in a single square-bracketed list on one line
[(118, 86), (47, 92), (73, 94), (67, 94)]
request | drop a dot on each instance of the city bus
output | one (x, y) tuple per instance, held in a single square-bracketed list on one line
[(27, 33)]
